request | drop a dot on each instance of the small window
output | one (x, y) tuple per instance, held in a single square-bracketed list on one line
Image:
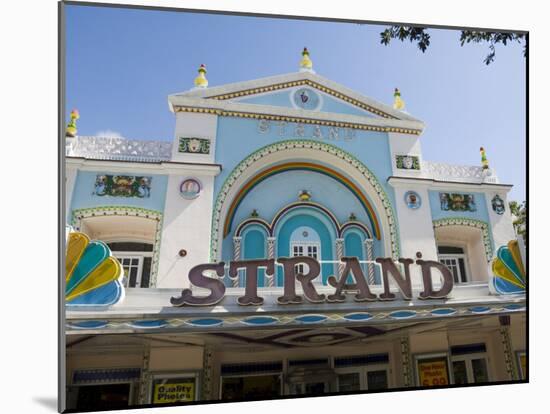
[(450, 250), (135, 259), (455, 259), (469, 364), (305, 249)]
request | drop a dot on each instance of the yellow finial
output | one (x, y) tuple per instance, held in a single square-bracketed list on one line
[(306, 64), (484, 160), (200, 80), (304, 195), (398, 103), (71, 130)]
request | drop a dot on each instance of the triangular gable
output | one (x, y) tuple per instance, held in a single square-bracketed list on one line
[(252, 91), (308, 98)]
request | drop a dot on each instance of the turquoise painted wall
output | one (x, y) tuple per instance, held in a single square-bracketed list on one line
[(254, 247), (354, 246), (84, 197)]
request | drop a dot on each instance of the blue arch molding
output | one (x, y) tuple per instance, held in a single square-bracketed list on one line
[(270, 227), (302, 166), (220, 204)]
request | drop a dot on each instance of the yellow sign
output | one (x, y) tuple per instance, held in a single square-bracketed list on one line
[(433, 372), (523, 365), (173, 392)]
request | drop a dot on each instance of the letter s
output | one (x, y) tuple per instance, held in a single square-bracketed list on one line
[(197, 278)]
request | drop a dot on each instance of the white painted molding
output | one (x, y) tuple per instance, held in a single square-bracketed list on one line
[(446, 185), (85, 164)]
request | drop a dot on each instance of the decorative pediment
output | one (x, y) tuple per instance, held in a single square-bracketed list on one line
[(300, 91)]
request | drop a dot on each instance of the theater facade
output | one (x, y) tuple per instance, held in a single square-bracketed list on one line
[(332, 256)]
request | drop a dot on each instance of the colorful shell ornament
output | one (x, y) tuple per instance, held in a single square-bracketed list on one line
[(93, 276), (507, 270)]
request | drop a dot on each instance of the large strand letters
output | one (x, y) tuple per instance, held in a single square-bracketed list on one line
[(352, 268)]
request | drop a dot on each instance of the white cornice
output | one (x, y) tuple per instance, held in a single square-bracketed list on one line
[(230, 88), (446, 185), (167, 167)]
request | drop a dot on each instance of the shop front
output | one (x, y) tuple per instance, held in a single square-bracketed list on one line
[(232, 352)]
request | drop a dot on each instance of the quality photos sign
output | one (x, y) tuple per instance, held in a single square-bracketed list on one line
[(174, 391), (200, 276)]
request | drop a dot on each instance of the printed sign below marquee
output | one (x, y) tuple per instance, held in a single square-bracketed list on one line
[(174, 391), (432, 371)]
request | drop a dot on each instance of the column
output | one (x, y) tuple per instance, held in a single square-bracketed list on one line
[(339, 255), (369, 247), (271, 255), (406, 361), (506, 341), (144, 380), (237, 256), (207, 372)]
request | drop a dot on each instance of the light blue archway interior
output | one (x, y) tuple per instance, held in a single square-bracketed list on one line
[(254, 246), (319, 224), (354, 246)]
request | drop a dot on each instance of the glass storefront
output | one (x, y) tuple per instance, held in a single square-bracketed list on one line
[(100, 389), (253, 380), (103, 397), (251, 387), (362, 373), (468, 365)]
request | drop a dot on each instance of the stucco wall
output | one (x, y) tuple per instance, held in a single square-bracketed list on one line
[(83, 194)]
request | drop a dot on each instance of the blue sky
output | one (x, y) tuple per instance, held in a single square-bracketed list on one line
[(123, 63)]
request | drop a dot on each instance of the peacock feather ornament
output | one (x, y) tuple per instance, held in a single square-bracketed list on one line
[(507, 270), (93, 276)]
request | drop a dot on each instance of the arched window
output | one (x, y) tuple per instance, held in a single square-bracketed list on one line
[(136, 258), (455, 259), (132, 234), (464, 250)]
